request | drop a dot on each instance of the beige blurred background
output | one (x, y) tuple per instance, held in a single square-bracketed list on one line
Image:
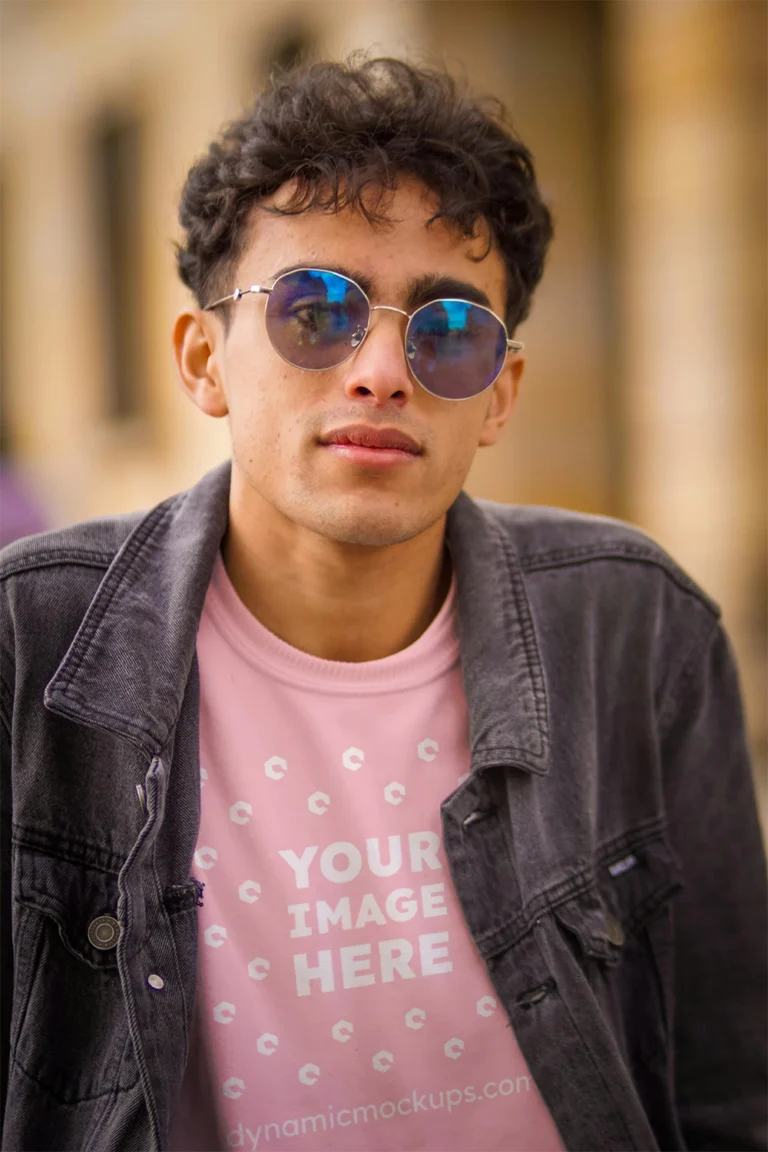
[(647, 361)]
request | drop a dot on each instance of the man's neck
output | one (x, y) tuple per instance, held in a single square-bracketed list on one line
[(334, 601)]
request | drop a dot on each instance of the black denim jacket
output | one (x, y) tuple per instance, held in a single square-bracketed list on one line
[(605, 848)]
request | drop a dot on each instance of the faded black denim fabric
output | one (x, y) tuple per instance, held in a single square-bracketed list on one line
[(605, 849)]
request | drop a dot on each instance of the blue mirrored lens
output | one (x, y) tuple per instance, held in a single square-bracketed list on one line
[(455, 349), (316, 319)]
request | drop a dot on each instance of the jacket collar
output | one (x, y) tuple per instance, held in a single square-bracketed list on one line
[(127, 668)]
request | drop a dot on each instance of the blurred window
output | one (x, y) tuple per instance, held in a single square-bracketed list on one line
[(287, 46), (5, 274), (117, 185), (6, 438), (290, 48)]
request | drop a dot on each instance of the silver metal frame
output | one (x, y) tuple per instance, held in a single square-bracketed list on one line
[(259, 289)]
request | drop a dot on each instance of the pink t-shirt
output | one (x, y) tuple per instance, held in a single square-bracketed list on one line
[(341, 1001)]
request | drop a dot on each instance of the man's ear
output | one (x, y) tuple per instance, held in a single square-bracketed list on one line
[(197, 340), (502, 401)]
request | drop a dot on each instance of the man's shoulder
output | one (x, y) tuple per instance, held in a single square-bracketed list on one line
[(47, 582), (547, 538), (90, 543)]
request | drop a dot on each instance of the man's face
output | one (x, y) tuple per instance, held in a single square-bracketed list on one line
[(280, 414)]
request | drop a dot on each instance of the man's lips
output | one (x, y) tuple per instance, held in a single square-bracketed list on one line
[(367, 436)]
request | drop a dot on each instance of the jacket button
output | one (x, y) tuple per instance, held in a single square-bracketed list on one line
[(103, 932), (614, 931)]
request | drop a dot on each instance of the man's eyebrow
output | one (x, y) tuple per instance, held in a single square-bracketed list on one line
[(434, 287), (360, 278)]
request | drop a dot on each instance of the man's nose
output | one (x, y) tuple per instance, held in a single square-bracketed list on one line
[(379, 367)]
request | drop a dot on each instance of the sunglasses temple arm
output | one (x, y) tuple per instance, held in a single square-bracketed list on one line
[(236, 295)]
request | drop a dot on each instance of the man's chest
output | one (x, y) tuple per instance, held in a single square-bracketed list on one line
[(338, 982)]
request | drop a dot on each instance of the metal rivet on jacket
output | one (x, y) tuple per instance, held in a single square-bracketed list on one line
[(104, 932)]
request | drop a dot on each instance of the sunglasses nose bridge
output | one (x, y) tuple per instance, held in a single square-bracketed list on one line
[(384, 308), (362, 332)]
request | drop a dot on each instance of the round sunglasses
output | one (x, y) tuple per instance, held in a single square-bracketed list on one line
[(317, 319)]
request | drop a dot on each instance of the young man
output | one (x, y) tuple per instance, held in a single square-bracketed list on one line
[(340, 810)]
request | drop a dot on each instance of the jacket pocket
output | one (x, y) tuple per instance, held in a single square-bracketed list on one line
[(622, 932), (69, 1031)]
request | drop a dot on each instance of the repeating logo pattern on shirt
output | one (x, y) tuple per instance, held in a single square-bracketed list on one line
[(339, 863)]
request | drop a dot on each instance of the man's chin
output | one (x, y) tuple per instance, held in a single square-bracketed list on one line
[(368, 534), (376, 523)]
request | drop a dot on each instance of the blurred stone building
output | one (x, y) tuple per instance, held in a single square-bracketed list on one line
[(645, 389)]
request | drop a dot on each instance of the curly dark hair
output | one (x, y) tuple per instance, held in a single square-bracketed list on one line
[(344, 132)]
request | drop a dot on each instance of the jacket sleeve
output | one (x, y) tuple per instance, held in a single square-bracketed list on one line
[(6, 943), (721, 933)]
